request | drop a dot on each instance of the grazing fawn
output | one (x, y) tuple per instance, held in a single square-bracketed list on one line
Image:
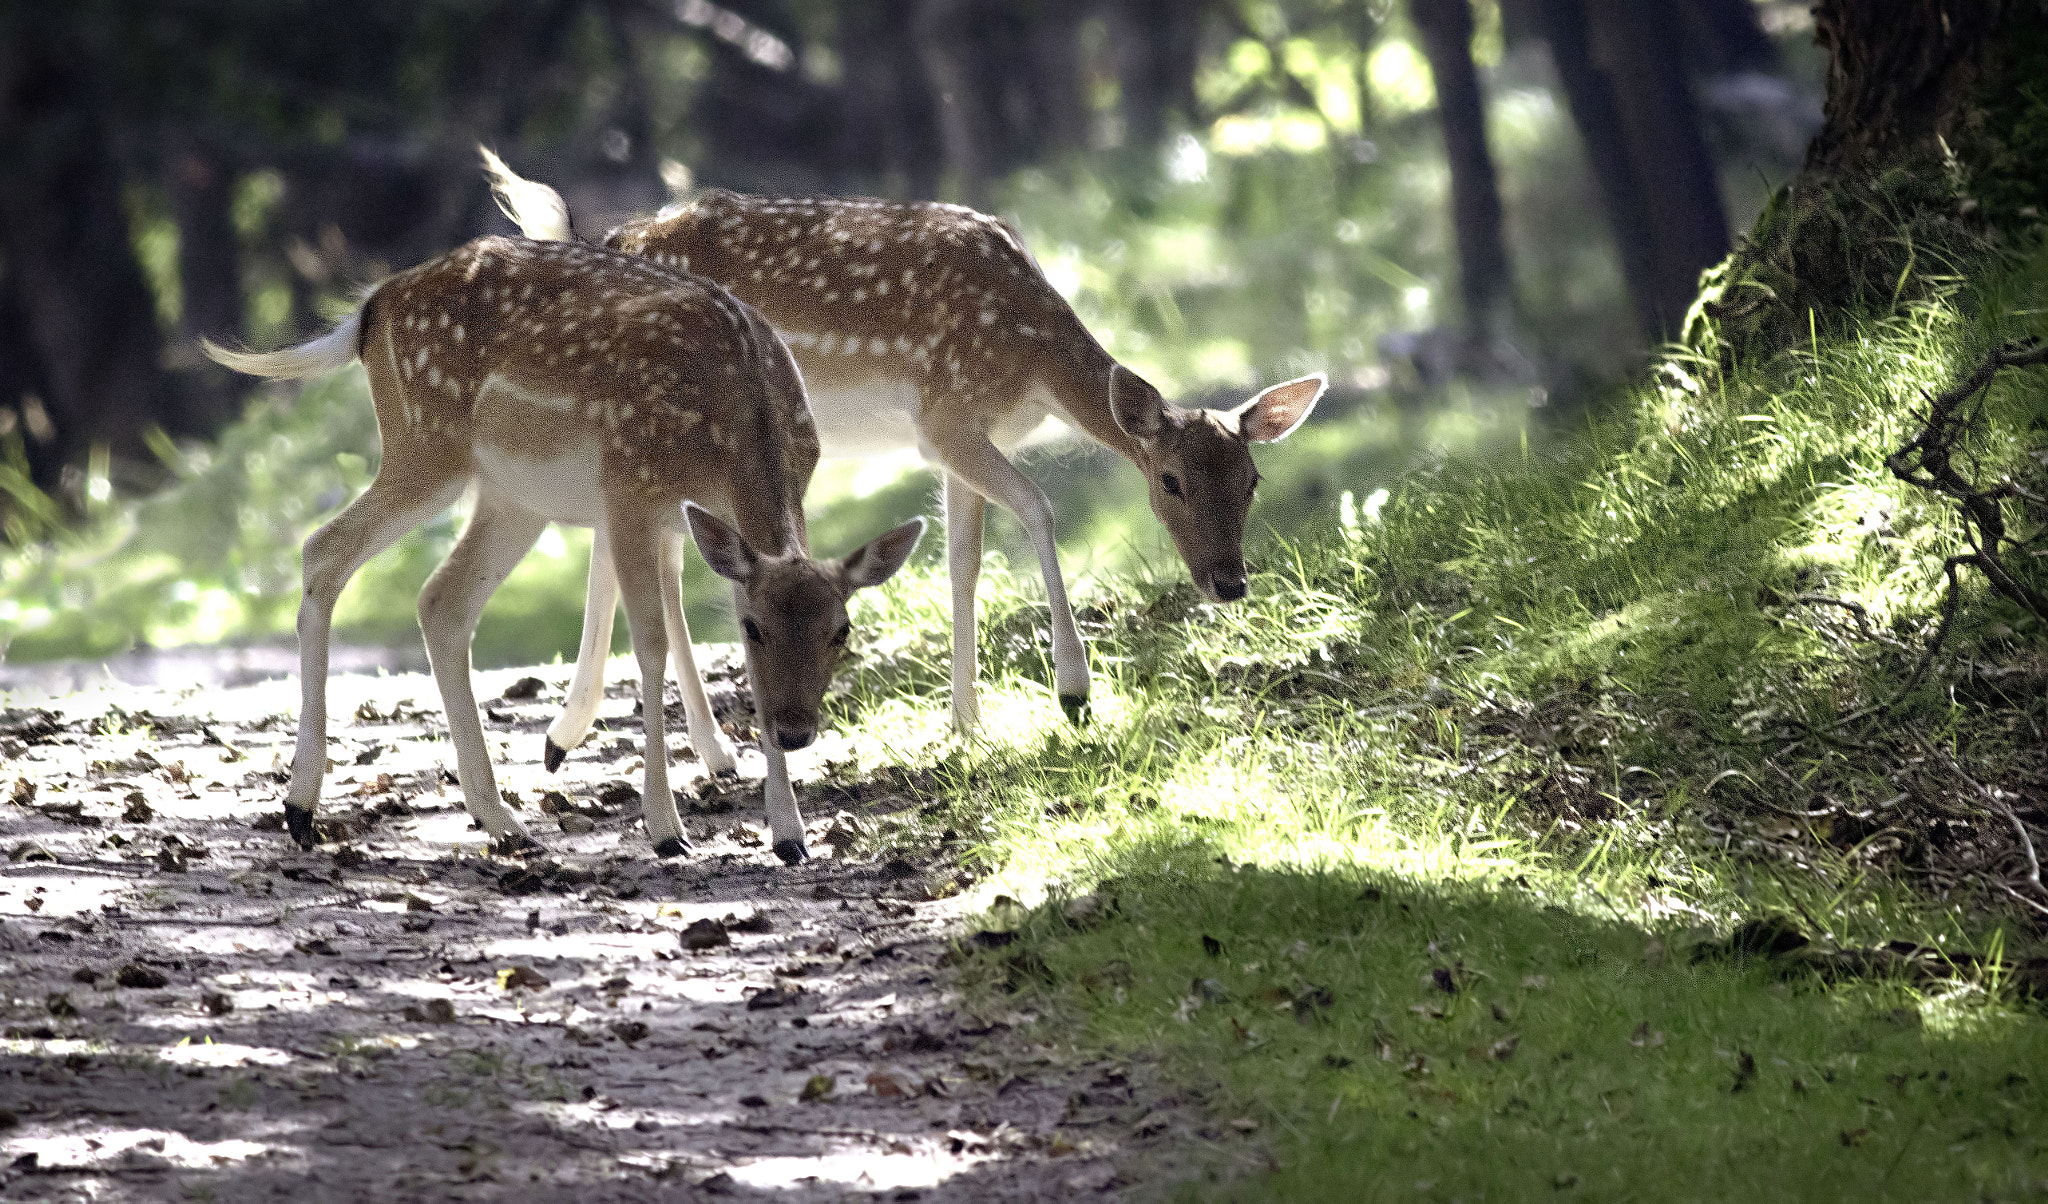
[(929, 326), (584, 386)]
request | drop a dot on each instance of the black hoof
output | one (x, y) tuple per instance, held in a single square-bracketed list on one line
[(299, 822), (554, 756), (1076, 707), (515, 845), (674, 846), (792, 851)]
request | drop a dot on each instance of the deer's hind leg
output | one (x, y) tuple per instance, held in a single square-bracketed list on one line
[(395, 503), (498, 536)]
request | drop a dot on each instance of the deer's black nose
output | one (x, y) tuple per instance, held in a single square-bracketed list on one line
[(1228, 586), (789, 738)]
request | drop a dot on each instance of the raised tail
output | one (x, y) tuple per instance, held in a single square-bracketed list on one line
[(536, 209), (335, 349)]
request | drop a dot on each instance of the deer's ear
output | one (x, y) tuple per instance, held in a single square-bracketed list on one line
[(1137, 407), (1274, 413), (723, 548), (881, 557)]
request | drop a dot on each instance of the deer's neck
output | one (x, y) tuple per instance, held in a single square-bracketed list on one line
[(1079, 380)]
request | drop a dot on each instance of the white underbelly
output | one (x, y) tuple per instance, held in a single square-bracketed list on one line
[(870, 417), (564, 486)]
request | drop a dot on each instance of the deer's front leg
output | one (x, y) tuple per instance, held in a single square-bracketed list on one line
[(372, 523), (499, 534), (636, 556), (586, 688), (785, 822), (964, 514), (705, 738), (969, 455)]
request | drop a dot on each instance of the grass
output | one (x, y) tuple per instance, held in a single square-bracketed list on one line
[(1421, 865)]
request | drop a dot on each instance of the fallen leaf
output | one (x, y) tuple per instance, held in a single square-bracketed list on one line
[(817, 1087), (773, 997), (1503, 1049), (512, 978), (705, 934), (1745, 1071), (216, 1003), (526, 689), (629, 1031), (1211, 946), (890, 1082), (138, 811), (142, 977), (1643, 1038)]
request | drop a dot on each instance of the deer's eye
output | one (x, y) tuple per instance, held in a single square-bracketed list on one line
[(840, 636), (1254, 486), (1170, 483), (753, 631)]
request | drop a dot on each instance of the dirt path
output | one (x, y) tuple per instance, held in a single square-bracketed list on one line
[(194, 1009)]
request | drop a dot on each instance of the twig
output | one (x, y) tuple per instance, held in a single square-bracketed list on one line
[(2026, 840), (1854, 608)]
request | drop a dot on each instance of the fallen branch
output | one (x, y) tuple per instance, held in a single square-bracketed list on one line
[(1927, 462), (1989, 796)]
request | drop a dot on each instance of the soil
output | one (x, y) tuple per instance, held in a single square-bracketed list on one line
[(194, 1008)]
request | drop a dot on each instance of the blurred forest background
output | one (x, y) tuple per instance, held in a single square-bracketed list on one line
[(1473, 213)]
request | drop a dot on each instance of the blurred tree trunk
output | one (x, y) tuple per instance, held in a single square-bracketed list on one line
[(200, 183), (1158, 44), (1637, 40), (1589, 91), (1446, 28), (941, 31), (1934, 150), (1724, 36), (91, 320), (886, 127)]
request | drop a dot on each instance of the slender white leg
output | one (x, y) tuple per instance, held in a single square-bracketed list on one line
[(964, 511), (705, 738), (637, 558), (498, 536), (785, 822), (371, 523), (586, 688), (970, 456)]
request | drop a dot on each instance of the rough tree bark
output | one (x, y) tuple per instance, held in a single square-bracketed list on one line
[(1483, 274), (1934, 148)]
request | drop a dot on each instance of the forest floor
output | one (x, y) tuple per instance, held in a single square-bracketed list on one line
[(196, 1009)]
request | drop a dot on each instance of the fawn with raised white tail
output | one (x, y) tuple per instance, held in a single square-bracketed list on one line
[(929, 326), (588, 387)]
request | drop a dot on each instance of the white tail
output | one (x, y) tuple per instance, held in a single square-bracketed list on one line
[(335, 349), (536, 209)]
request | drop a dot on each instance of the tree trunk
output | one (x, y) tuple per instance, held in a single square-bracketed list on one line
[(1589, 92), (1935, 145), (940, 32), (1446, 28), (1724, 36), (200, 183), (64, 235), (1681, 189)]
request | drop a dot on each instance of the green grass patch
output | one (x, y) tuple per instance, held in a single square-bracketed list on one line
[(1424, 861)]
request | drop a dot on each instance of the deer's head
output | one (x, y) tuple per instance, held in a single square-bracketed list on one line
[(1199, 471), (792, 613)]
